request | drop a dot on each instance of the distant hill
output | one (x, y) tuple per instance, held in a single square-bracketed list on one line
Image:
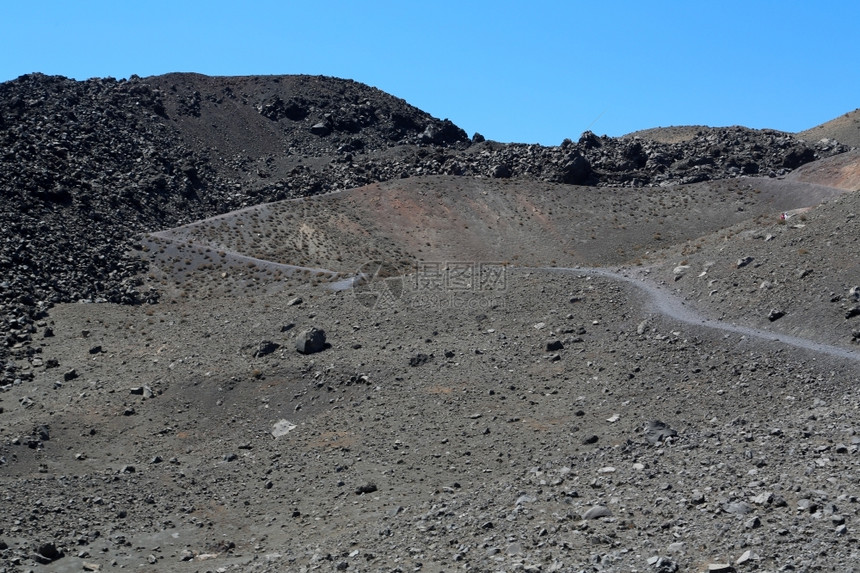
[(845, 129), (673, 134)]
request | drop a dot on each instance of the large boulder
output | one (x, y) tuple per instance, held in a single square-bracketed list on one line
[(311, 340)]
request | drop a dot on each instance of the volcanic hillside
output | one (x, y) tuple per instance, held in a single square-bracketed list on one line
[(845, 129), (87, 165), (350, 338), (449, 219)]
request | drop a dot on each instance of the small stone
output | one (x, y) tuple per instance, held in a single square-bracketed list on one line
[(49, 551), (744, 261), (720, 568), (265, 347), (419, 359), (748, 555), (677, 547), (775, 315), (596, 512), (590, 440), (657, 431), (737, 508), (753, 523), (282, 428), (366, 488), (70, 375), (680, 270), (554, 346), (96, 349), (525, 499), (805, 504)]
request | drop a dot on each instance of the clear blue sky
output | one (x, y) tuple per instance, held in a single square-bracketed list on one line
[(531, 72)]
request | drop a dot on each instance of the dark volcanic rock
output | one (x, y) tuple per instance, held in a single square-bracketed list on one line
[(266, 347), (657, 431), (311, 340)]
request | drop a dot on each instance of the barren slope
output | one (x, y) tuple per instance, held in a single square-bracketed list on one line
[(450, 219), (475, 413), (844, 129)]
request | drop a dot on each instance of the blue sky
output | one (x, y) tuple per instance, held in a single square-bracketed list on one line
[(531, 72)]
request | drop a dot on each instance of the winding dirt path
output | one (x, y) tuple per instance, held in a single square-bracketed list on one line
[(663, 301), (673, 307)]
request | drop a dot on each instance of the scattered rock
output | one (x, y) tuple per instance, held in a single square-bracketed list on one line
[(748, 555), (657, 431), (266, 347), (366, 488), (282, 428), (419, 359), (47, 553), (737, 508), (775, 315), (662, 564), (596, 512), (311, 340)]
